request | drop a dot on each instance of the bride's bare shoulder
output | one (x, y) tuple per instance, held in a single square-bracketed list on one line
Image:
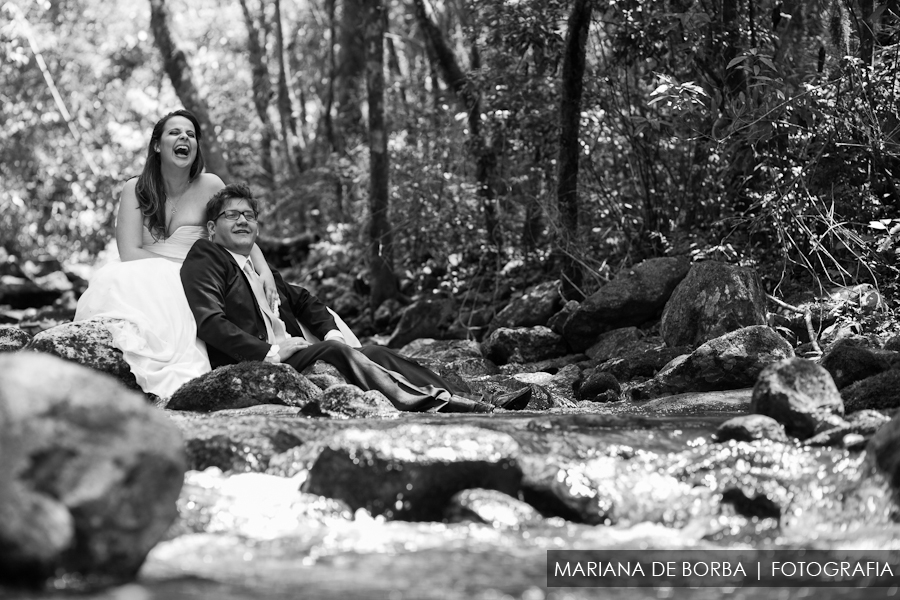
[(211, 181)]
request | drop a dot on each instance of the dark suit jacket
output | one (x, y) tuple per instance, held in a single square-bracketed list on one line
[(227, 314)]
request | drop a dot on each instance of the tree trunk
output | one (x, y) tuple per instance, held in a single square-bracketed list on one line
[(383, 279), (866, 31), (179, 71), (485, 155), (348, 122), (262, 89), (285, 106), (571, 88)]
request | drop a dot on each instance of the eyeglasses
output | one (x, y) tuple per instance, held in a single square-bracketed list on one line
[(233, 215)]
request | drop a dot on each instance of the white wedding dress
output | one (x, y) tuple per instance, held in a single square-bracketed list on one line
[(150, 320)]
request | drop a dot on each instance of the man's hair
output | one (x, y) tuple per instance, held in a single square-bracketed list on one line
[(240, 191)]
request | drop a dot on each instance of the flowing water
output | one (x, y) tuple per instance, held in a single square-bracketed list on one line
[(667, 483)]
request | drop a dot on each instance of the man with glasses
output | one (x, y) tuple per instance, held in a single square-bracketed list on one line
[(237, 324)]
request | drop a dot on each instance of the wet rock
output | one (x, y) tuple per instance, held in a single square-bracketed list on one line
[(466, 367), (550, 365), (747, 428), (731, 361), (350, 402), (848, 363), (12, 338), (87, 343), (523, 345), (425, 318), (441, 350), (879, 392), (617, 342), (411, 472), (860, 426), (236, 441), (323, 375), (642, 364), (714, 299), (89, 474), (494, 508), (635, 296), (599, 386), (562, 386), (242, 385), (534, 307), (800, 395)]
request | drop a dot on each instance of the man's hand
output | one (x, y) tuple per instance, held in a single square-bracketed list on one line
[(288, 347)]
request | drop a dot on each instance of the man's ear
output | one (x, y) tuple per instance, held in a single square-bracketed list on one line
[(211, 229)]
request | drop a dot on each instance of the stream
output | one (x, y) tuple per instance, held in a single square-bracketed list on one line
[(631, 475)]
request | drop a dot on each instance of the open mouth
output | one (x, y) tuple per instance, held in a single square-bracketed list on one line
[(242, 230), (182, 151)]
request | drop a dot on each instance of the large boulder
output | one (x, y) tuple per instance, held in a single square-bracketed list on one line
[(712, 300), (800, 395), (884, 450), (425, 318), (411, 472), (635, 296), (642, 364), (615, 343), (729, 362), (89, 473), (12, 338), (522, 345), (87, 343), (534, 307), (242, 385)]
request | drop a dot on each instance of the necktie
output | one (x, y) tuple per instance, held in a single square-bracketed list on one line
[(275, 331)]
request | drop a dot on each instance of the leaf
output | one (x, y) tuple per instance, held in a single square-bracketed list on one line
[(736, 61)]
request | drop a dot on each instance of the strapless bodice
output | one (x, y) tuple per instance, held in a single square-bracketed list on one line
[(176, 246)]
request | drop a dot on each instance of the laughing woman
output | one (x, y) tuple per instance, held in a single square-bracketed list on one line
[(160, 216)]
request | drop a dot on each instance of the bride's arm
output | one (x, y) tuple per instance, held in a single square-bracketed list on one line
[(130, 226)]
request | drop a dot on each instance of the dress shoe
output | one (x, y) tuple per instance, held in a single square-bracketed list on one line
[(516, 400)]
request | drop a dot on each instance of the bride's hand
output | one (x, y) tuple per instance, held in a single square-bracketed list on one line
[(268, 282)]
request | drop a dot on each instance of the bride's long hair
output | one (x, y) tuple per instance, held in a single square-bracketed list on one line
[(151, 188)]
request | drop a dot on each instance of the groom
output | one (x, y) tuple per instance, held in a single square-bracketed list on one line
[(237, 324)]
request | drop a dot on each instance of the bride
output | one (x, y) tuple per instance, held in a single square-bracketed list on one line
[(160, 216)]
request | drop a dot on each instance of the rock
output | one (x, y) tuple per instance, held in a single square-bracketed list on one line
[(426, 318), (387, 315), (348, 304), (616, 342), (635, 296), (747, 428), (599, 386), (799, 394), (562, 386), (849, 363), (89, 473), (87, 343), (411, 472), (242, 385), (884, 450), (523, 345), (558, 321), (732, 361), (880, 392), (466, 367), (642, 364), (238, 441), (860, 426), (714, 299), (350, 402), (323, 375), (494, 508), (893, 344), (442, 350), (12, 338), (534, 307), (22, 292)]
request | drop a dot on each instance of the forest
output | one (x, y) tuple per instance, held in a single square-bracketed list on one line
[(406, 147)]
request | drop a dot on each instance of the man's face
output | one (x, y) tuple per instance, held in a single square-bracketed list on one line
[(238, 235)]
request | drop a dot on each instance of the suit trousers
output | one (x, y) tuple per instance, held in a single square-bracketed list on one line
[(408, 385)]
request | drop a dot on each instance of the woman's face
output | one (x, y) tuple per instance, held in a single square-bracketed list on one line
[(178, 144)]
